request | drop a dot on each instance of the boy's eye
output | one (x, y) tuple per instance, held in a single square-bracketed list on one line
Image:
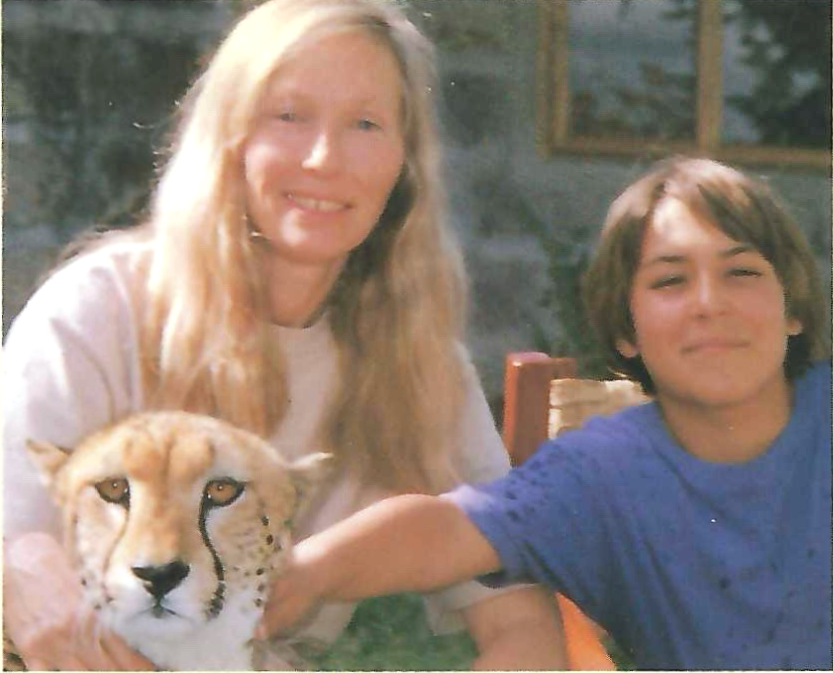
[(744, 272), (287, 116), (115, 490), (666, 281)]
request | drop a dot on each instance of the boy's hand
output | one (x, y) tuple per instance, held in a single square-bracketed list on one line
[(294, 596)]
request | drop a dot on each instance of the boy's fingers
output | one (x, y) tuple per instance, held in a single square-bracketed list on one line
[(284, 609), (272, 620)]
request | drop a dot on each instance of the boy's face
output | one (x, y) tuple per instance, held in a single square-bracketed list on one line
[(709, 313)]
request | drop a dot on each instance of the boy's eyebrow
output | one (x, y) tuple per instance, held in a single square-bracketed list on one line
[(724, 254), (738, 250)]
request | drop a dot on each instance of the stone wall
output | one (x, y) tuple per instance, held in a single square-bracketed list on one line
[(89, 86)]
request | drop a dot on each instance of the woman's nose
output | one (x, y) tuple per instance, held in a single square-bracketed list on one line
[(324, 152)]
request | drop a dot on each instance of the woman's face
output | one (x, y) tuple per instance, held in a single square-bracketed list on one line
[(708, 311), (326, 149)]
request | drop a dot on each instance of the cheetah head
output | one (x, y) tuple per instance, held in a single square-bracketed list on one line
[(176, 523)]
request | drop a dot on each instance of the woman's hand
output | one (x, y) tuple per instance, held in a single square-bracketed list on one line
[(44, 614)]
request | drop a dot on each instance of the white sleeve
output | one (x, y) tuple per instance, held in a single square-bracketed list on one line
[(482, 457), (69, 367)]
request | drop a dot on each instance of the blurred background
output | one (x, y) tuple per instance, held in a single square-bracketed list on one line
[(549, 109)]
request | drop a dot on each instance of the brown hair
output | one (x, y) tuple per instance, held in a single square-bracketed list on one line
[(745, 210)]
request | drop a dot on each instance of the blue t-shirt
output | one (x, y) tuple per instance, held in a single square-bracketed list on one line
[(686, 563)]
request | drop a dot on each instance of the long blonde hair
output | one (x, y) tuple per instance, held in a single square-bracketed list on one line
[(397, 311)]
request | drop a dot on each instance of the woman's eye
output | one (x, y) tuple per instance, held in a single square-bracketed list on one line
[(223, 492), (287, 116), (115, 490), (367, 125)]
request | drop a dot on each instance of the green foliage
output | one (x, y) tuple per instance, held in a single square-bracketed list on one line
[(567, 262)]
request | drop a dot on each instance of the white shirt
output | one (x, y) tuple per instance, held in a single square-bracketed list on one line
[(71, 366)]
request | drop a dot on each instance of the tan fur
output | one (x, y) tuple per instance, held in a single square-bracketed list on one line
[(168, 459)]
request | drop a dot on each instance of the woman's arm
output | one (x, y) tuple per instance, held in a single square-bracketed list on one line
[(70, 368), (406, 543), (518, 630)]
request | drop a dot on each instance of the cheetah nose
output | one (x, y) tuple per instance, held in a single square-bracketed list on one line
[(162, 578)]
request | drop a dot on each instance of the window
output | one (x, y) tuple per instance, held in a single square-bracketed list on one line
[(744, 81)]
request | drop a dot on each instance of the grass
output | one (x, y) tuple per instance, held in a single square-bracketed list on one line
[(391, 633)]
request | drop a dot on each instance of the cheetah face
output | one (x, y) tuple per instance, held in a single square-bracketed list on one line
[(177, 523)]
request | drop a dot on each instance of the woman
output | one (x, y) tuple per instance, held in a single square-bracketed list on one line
[(695, 528), (294, 278)]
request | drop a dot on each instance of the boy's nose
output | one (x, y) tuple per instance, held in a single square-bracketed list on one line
[(708, 295)]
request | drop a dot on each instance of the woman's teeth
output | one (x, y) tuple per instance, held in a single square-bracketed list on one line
[(317, 204)]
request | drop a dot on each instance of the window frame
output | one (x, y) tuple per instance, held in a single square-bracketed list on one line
[(553, 97)]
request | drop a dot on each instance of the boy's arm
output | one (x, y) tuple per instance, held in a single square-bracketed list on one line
[(406, 543)]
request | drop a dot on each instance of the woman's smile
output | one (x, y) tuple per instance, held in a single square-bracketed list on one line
[(316, 205)]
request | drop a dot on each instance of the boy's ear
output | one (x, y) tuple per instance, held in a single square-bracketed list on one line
[(794, 327), (626, 348)]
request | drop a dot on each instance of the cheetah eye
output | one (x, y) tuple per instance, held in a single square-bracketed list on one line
[(222, 492), (115, 490)]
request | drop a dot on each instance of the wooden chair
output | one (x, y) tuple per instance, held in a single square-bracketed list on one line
[(542, 397)]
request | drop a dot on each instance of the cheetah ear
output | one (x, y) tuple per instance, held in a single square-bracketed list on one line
[(48, 458), (307, 474)]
